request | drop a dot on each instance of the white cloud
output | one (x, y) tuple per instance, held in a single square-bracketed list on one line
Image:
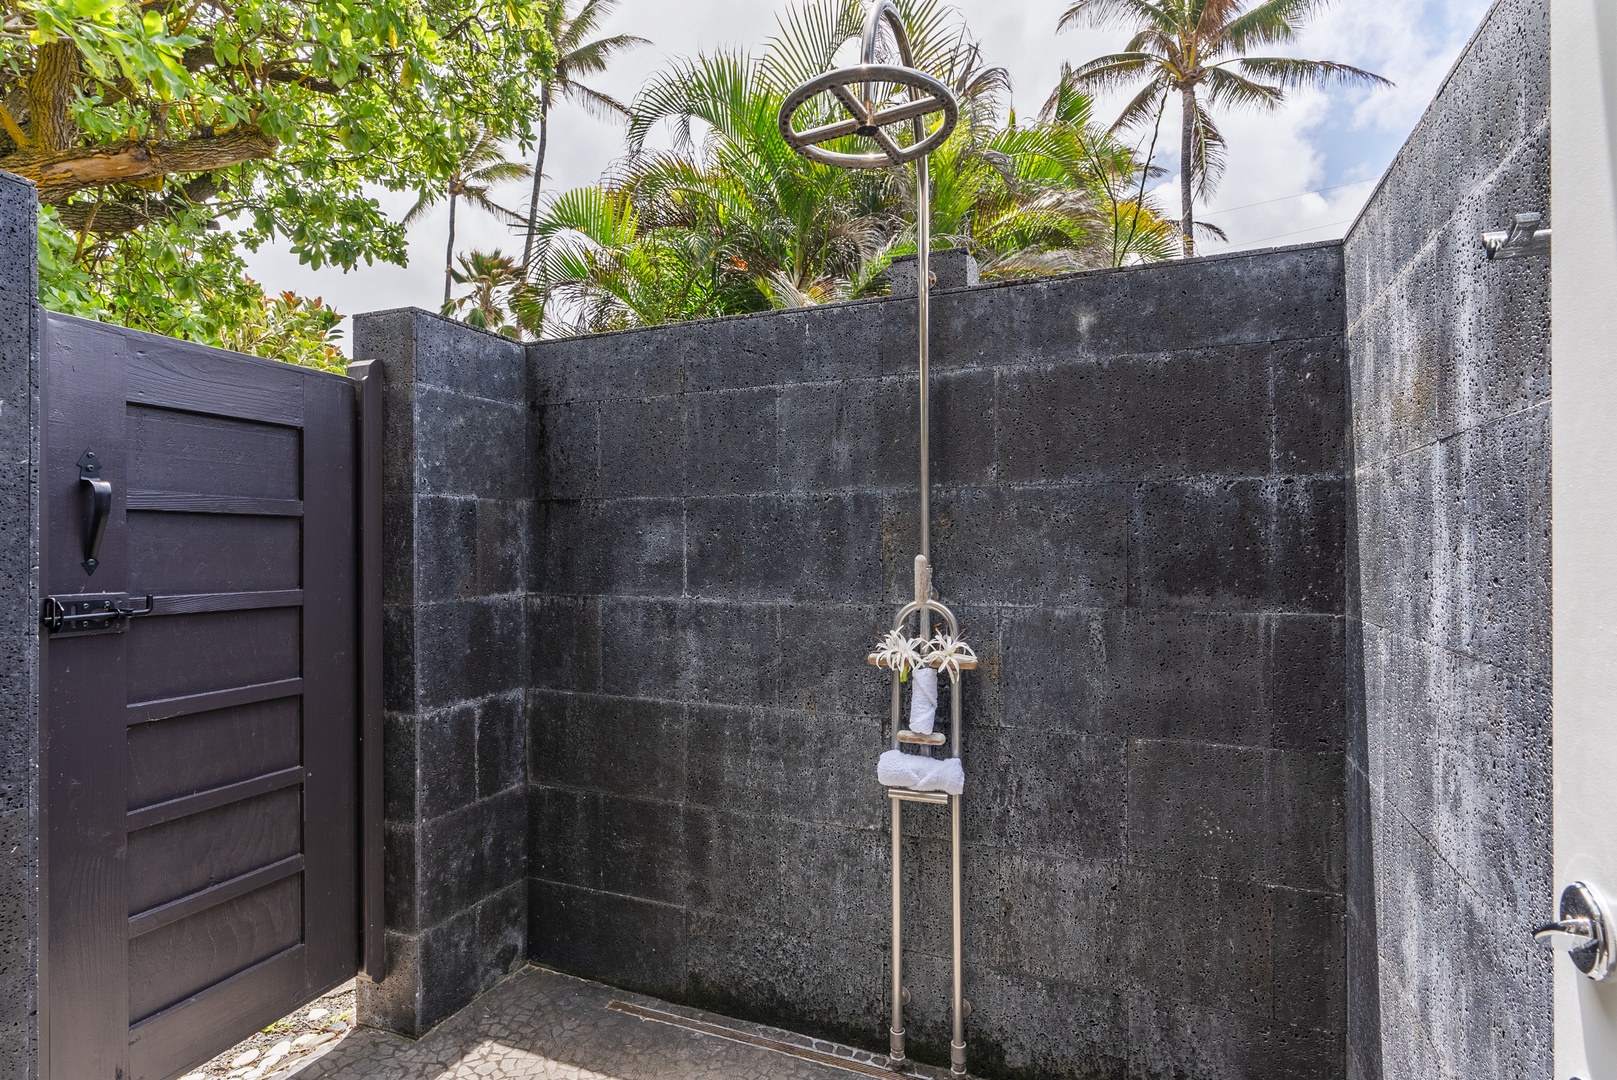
[(1319, 140)]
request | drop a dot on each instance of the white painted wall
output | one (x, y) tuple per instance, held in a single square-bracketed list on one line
[(1584, 217)]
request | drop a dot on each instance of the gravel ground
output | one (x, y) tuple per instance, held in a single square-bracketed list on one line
[(285, 1042)]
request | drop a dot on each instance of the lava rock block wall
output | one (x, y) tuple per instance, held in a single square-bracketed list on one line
[(19, 623), (1449, 757), (1140, 516), (456, 511)]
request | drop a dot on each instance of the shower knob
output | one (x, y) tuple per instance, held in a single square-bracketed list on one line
[(1582, 931)]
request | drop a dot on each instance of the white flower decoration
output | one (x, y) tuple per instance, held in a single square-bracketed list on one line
[(899, 653), (948, 653)]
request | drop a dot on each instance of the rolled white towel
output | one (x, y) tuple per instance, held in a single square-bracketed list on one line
[(924, 701), (901, 770)]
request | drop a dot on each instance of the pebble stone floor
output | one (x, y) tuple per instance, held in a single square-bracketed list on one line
[(541, 1025)]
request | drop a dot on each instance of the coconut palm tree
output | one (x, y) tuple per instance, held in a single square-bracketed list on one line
[(575, 57), (1191, 48), (493, 277), (482, 165)]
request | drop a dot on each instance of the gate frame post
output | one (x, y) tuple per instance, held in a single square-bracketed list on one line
[(21, 950)]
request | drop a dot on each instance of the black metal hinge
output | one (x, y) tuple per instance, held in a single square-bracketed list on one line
[(90, 612)]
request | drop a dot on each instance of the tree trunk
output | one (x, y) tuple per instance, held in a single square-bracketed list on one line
[(449, 255), (538, 177), (49, 91), (1187, 162)]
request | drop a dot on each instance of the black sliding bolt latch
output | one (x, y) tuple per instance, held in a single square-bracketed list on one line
[(92, 612)]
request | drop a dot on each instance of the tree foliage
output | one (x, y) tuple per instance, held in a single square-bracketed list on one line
[(167, 136), (1200, 52), (731, 219)]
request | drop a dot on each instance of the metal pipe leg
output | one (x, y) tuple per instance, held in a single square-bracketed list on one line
[(957, 1048), (895, 1051)]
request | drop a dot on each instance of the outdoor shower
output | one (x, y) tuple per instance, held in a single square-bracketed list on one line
[(867, 92)]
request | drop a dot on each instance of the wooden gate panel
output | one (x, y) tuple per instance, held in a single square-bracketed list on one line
[(183, 754), (218, 855)]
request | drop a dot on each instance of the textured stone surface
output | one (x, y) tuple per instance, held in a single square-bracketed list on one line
[(1140, 516), (540, 1025), (19, 648), (953, 268), (455, 740), (1449, 775)]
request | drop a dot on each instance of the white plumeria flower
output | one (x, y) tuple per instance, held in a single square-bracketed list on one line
[(947, 653), (900, 653)]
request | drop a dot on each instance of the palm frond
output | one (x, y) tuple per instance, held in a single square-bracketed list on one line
[(599, 105), (1288, 72), (1103, 13)]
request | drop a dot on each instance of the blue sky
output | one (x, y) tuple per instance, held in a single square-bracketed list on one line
[(1333, 144)]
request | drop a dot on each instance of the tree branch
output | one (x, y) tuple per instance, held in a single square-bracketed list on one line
[(65, 172)]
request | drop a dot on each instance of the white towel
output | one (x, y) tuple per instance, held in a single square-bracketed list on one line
[(924, 700), (901, 770)]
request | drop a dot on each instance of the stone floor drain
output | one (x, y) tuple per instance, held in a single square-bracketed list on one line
[(802, 1053)]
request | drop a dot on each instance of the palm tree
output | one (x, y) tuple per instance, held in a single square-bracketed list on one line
[(1183, 46), (493, 276), (575, 57), (481, 166)]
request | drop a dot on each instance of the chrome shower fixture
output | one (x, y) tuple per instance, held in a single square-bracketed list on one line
[(878, 101)]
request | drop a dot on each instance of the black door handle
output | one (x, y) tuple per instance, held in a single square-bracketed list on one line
[(100, 508)]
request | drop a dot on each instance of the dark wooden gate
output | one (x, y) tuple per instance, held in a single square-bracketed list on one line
[(201, 693)]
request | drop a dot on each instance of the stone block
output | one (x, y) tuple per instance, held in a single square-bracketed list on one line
[(1306, 661), (640, 849), (1136, 417), (446, 771), (1050, 916), (1242, 545), (638, 944), (450, 355), (737, 863), (1217, 941), (635, 364), (502, 741), (616, 746), (1310, 956), (644, 448), (485, 636), (730, 441), (1309, 404), (735, 759), (1190, 1041), (775, 548), (824, 670), (820, 983), (563, 824), (471, 854), (1049, 791), (568, 450), (690, 651), (564, 643), (622, 547), (950, 268), (1201, 809), (470, 446), (399, 843), (763, 350)]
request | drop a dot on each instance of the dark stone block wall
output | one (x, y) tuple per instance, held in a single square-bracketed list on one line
[(1449, 754), (19, 608), (456, 514), (1140, 518)]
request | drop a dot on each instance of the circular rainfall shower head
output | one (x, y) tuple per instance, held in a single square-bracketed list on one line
[(867, 118)]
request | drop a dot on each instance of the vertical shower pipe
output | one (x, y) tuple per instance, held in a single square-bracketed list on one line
[(812, 145), (887, 10)]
